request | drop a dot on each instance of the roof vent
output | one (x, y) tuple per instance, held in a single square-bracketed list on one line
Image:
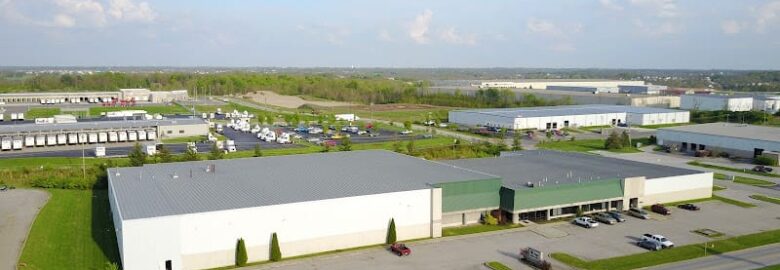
[(175, 176)]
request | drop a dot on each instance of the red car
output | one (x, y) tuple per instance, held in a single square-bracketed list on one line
[(661, 209), (400, 249)]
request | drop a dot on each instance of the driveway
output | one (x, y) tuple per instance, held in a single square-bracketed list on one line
[(18, 209), (471, 251)]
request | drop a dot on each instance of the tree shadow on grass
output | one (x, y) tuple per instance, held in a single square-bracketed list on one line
[(103, 232)]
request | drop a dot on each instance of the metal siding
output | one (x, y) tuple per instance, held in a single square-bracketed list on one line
[(540, 197), (466, 195)]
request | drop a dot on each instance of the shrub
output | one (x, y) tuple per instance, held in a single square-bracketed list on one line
[(391, 233), (579, 211), (216, 152), (241, 256), (614, 141), (111, 266), (764, 160), (276, 252), (489, 219), (258, 151), (164, 155), (346, 144), (410, 147), (652, 140), (625, 139), (137, 156), (190, 155)]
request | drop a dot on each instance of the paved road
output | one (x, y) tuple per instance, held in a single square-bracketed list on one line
[(18, 209), (745, 259)]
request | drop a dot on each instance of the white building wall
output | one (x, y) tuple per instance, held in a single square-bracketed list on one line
[(480, 119), (767, 105), (677, 188), (716, 103), (584, 120), (710, 141), (645, 119), (208, 240)]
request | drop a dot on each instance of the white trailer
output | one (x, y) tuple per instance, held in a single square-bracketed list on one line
[(132, 135), (83, 138), (122, 136), (151, 135), (112, 136), (13, 116), (62, 139), (100, 151), (92, 138), (20, 116), (151, 149), (29, 141), (17, 143), (102, 137), (2, 117), (73, 138), (141, 135), (6, 143), (230, 145), (40, 140), (51, 139)]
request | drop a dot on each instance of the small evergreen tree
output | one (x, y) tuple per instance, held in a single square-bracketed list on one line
[(410, 147), (137, 156), (163, 154), (276, 252), (625, 139), (346, 144), (517, 142), (258, 151), (216, 152), (190, 155), (391, 233), (397, 145), (613, 141), (241, 257), (408, 125)]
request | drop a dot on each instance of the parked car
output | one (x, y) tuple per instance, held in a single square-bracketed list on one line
[(406, 132), (689, 206), (762, 168), (586, 222), (3, 188), (639, 213), (400, 249), (651, 245), (661, 209), (657, 238), (604, 218), (617, 215)]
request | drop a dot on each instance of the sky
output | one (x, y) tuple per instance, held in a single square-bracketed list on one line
[(664, 34)]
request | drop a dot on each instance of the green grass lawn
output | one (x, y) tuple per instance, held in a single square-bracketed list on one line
[(477, 228), (733, 202), (73, 231), (497, 266), (151, 109), (765, 198), (583, 146), (771, 267), (665, 125), (681, 253), (717, 167), (746, 180), (717, 188), (198, 138), (38, 112)]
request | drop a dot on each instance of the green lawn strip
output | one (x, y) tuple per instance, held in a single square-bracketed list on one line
[(664, 125), (689, 201), (717, 188), (764, 198), (33, 113), (497, 266), (733, 202), (73, 230), (198, 138), (708, 233), (771, 267), (680, 253), (478, 228), (748, 171), (745, 180), (583, 146), (151, 109)]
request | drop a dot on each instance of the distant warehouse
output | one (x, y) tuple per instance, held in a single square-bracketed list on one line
[(586, 89), (736, 139), (716, 103), (642, 89), (555, 117), (190, 215)]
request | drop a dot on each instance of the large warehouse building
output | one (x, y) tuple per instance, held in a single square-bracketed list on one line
[(136, 94), (543, 84), (716, 103), (555, 117), (736, 139), (190, 215), (541, 185)]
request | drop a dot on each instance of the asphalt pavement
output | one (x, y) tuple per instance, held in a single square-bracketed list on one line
[(753, 258)]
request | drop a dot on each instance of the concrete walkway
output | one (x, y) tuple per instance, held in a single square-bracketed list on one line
[(18, 209)]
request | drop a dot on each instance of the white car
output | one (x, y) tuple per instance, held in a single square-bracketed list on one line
[(406, 132), (586, 222), (657, 238)]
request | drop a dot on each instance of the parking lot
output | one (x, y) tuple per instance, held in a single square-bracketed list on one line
[(18, 209), (470, 251)]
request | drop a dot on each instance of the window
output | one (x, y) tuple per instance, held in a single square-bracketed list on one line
[(169, 131), (181, 131)]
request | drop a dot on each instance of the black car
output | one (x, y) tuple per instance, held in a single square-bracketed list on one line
[(3, 188), (762, 168), (654, 246), (616, 215), (689, 206)]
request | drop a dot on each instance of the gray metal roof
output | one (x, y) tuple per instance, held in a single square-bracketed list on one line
[(715, 96), (152, 190), (568, 110), (557, 168), (731, 130), (27, 127)]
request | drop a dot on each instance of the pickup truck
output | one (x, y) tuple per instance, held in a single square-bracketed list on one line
[(400, 249), (657, 238)]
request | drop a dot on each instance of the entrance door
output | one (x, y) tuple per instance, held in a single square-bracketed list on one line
[(684, 147), (633, 202), (566, 123), (693, 147), (555, 125), (168, 265)]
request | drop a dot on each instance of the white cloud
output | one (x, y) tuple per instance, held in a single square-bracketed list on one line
[(660, 8), (62, 20), (731, 27), (127, 10), (610, 4), (543, 27), (767, 15), (418, 29), (451, 36)]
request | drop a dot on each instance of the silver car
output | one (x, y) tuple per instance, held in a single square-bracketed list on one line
[(638, 213), (605, 218)]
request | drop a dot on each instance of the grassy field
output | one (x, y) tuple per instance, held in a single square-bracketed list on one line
[(38, 112), (681, 253), (664, 125), (765, 198), (152, 109), (746, 180), (717, 167), (73, 231), (584, 146), (733, 202), (497, 266), (478, 228)]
